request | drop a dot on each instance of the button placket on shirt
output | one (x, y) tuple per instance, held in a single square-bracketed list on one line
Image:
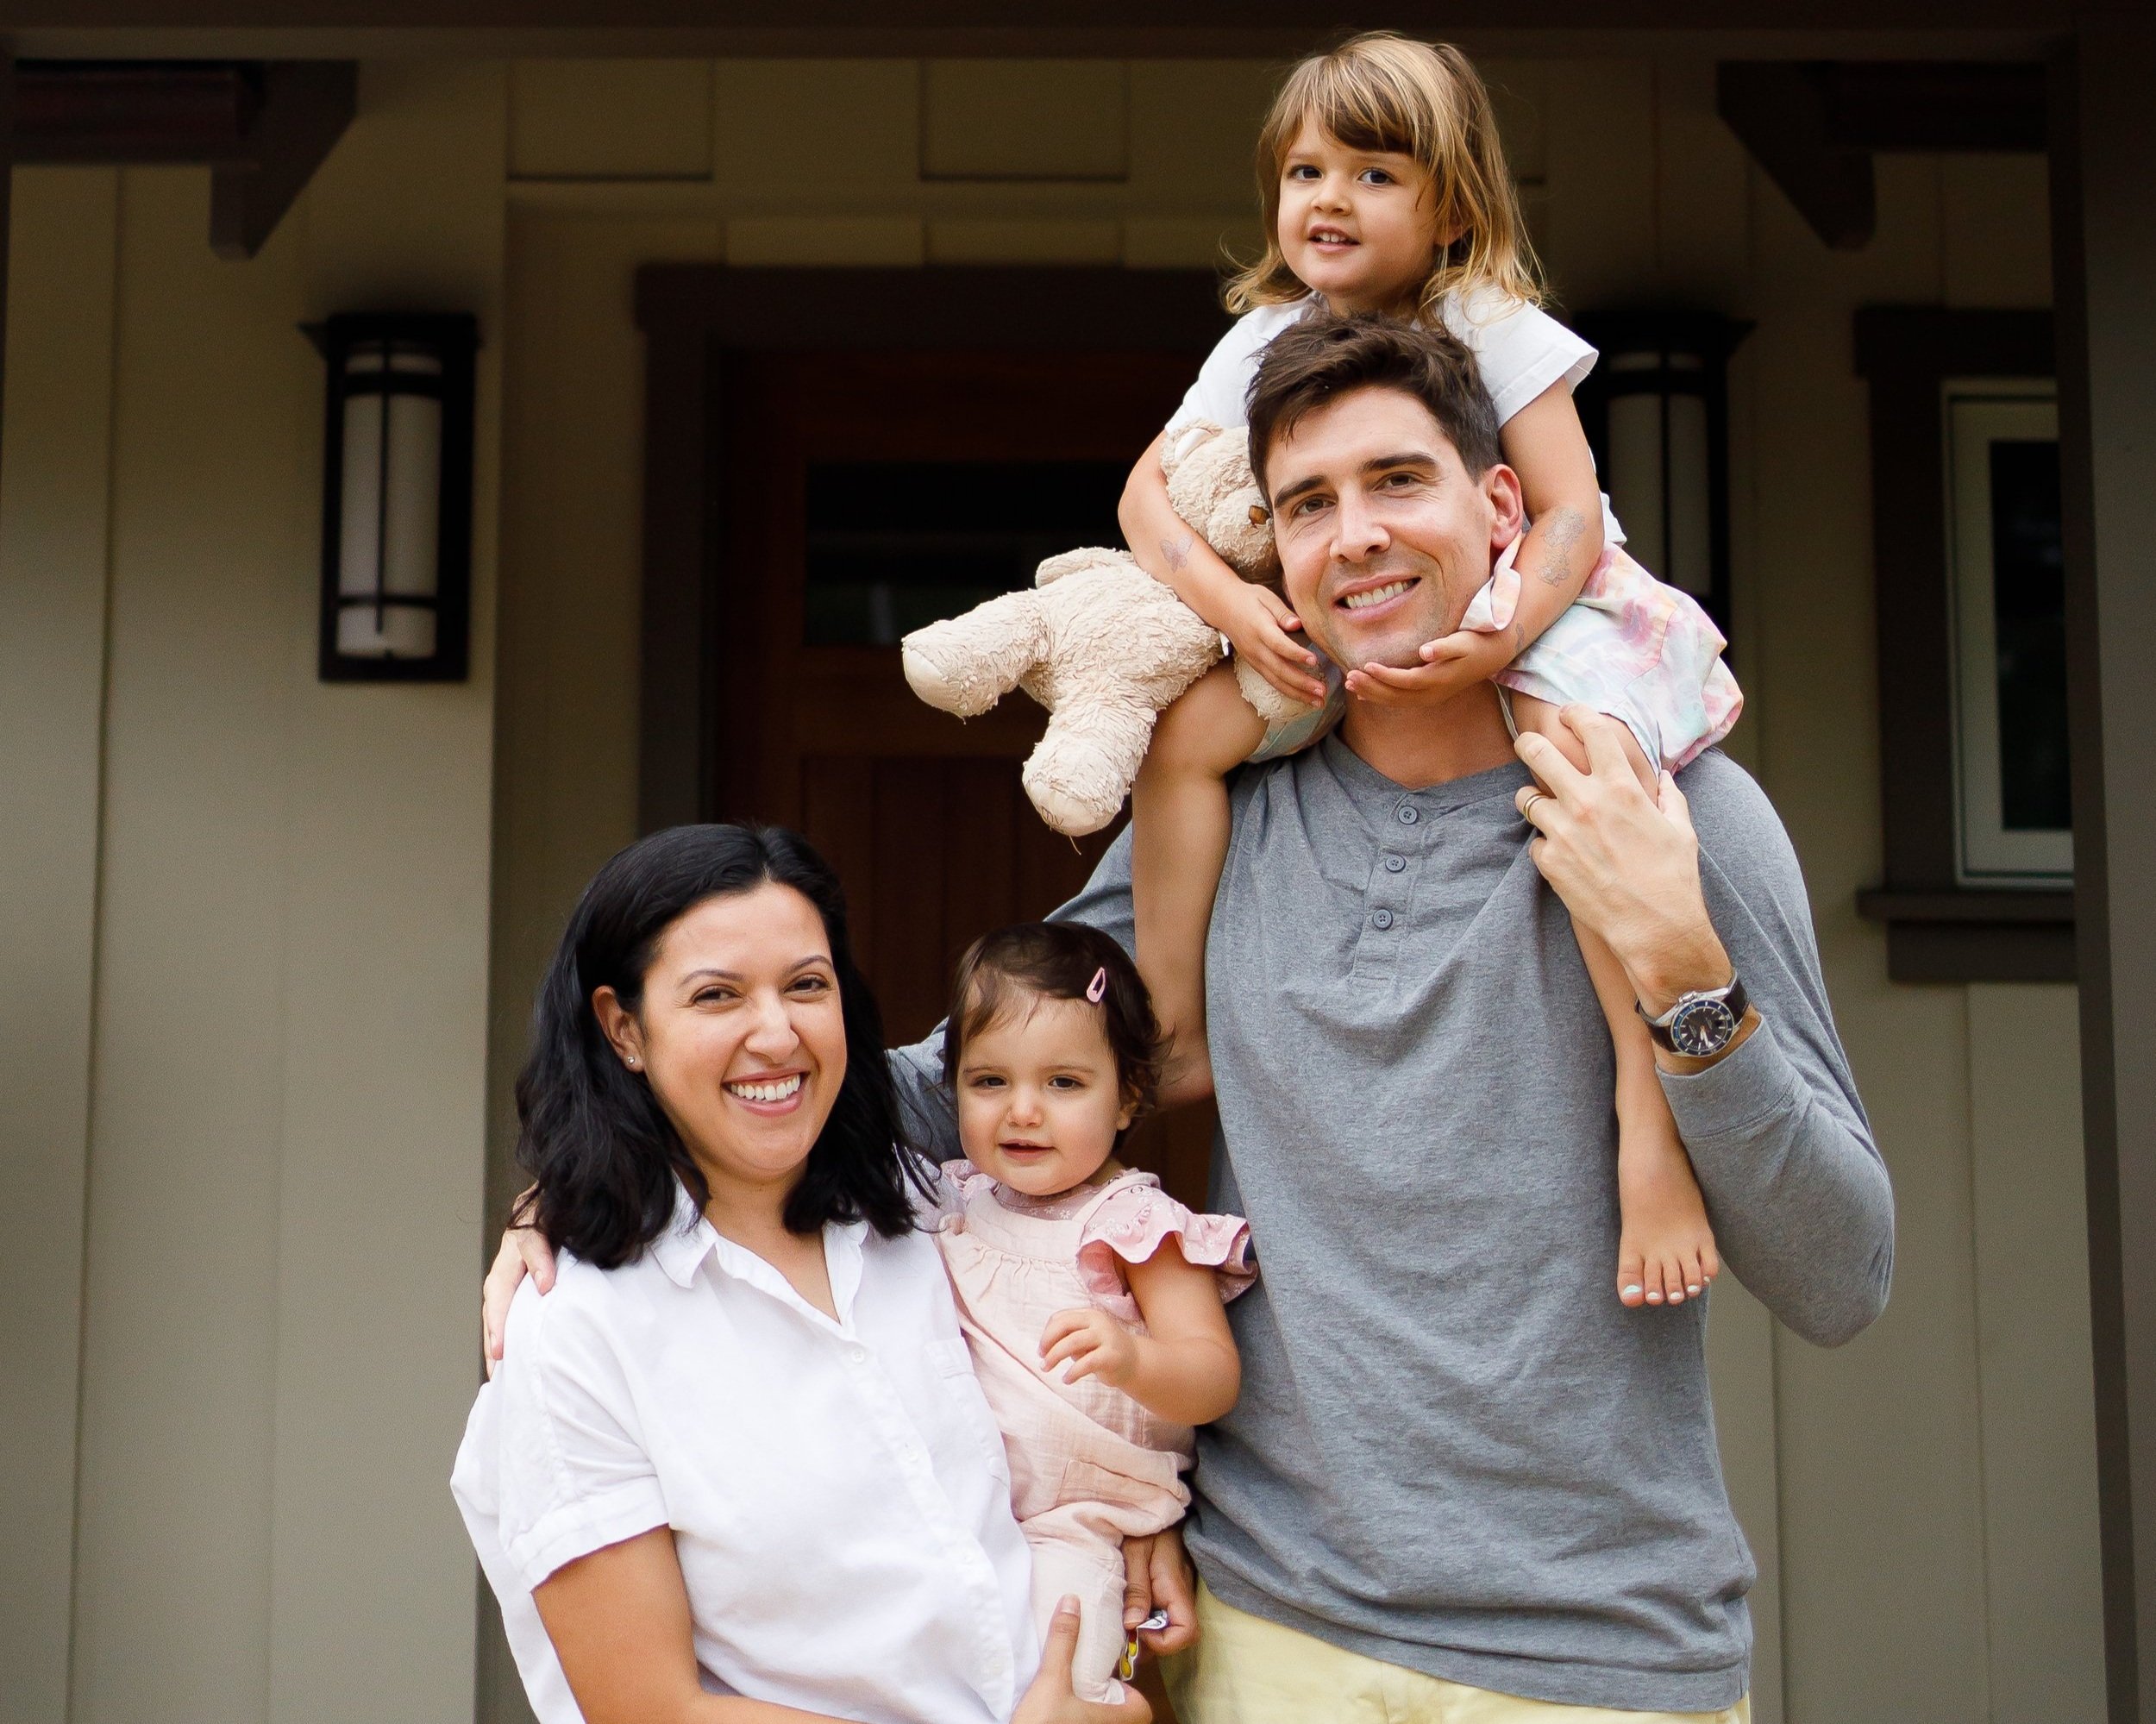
[(976, 1573), (1385, 897)]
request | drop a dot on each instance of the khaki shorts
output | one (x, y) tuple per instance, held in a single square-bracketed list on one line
[(1246, 1670)]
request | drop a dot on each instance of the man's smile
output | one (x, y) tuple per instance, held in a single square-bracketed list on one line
[(1369, 596)]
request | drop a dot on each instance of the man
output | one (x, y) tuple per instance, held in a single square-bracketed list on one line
[(1463, 1484)]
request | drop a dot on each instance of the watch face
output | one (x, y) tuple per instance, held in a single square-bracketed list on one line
[(1703, 1027)]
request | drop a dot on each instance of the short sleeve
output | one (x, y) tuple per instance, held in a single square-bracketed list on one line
[(571, 1473), (1131, 1225), (1221, 394), (1520, 349)]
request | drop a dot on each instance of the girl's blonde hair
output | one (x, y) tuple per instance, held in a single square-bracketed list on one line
[(1383, 91)]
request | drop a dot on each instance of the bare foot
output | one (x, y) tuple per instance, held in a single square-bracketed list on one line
[(1665, 1248)]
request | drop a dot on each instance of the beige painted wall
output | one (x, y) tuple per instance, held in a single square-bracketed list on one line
[(254, 1144), (1922, 1501)]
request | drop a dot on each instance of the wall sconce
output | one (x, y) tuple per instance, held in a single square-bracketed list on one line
[(1656, 410), (397, 497)]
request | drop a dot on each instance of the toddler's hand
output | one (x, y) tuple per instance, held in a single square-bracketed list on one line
[(1455, 662), (1256, 624), (1094, 1343)]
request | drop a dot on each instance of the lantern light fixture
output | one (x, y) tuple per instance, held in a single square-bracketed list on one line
[(397, 497), (1656, 410)]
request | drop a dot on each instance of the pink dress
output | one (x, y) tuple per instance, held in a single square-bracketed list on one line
[(1089, 1466)]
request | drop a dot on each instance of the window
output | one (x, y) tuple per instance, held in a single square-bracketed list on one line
[(1977, 849), (2013, 804), (893, 546)]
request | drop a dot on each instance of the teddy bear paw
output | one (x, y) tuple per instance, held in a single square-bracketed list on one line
[(1074, 802)]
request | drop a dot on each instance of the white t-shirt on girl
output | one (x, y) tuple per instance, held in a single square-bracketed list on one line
[(1519, 349)]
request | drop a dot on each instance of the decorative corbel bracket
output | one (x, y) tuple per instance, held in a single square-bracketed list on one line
[(261, 127), (1813, 126)]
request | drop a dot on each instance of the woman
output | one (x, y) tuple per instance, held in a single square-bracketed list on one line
[(735, 1468)]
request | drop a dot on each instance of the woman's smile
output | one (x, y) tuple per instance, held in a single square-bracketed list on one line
[(769, 1092)]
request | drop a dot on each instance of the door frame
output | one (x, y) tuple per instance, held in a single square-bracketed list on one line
[(696, 317)]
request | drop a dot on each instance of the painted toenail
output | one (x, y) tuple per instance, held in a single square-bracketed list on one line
[(1635, 1287)]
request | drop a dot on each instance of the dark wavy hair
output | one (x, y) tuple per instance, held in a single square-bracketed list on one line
[(1058, 961), (1327, 354), (603, 1156)]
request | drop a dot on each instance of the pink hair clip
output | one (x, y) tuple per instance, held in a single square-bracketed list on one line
[(1098, 987)]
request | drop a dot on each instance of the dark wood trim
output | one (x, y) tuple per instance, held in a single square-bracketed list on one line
[(1971, 936), (8, 94), (694, 315), (1884, 104), (2121, 1247), (1905, 352), (127, 112), (1968, 907), (1812, 126), (840, 26)]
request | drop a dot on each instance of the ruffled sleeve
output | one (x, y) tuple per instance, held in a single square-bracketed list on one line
[(1489, 612), (955, 1182), (1130, 1224)]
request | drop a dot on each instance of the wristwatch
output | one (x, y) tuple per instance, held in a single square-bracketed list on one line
[(1700, 1025)]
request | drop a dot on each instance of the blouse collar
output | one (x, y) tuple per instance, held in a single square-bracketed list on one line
[(689, 1238)]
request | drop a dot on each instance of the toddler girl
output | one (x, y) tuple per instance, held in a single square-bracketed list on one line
[(1385, 189), (1091, 1299)]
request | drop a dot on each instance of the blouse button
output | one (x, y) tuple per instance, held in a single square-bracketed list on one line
[(1408, 816), (1382, 918), (1393, 864)]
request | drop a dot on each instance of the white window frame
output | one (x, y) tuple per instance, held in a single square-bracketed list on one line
[(1978, 412)]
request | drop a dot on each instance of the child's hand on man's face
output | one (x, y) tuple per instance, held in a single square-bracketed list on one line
[(1450, 665), (1094, 1343), (1257, 627)]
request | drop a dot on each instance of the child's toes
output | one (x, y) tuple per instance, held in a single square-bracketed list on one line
[(1631, 1278), (1695, 1276), (1710, 1263)]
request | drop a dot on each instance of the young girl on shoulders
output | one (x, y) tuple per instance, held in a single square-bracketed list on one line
[(1090, 1299), (1384, 188)]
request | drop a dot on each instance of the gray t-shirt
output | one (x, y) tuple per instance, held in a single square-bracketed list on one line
[(1454, 1450)]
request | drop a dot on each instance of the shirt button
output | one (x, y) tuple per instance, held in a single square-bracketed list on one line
[(1393, 864), (1382, 918), (1407, 815)]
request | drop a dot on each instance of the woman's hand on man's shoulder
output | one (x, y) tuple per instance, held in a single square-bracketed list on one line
[(523, 1252)]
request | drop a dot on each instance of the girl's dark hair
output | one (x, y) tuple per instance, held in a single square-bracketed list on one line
[(1057, 961), (603, 1156)]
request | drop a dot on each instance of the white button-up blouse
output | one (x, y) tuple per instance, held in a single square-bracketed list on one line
[(838, 1492)]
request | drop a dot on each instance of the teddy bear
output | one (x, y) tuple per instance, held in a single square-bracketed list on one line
[(1103, 645)]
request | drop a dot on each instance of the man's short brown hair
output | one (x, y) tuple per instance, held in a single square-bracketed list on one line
[(1325, 356)]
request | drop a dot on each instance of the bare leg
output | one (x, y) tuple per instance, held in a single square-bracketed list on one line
[(1179, 843), (1665, 1248)]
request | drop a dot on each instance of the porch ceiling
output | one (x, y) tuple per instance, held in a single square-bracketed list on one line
[(1727, 28)]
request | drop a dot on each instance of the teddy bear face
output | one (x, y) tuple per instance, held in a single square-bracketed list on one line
[(1210, 485)]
